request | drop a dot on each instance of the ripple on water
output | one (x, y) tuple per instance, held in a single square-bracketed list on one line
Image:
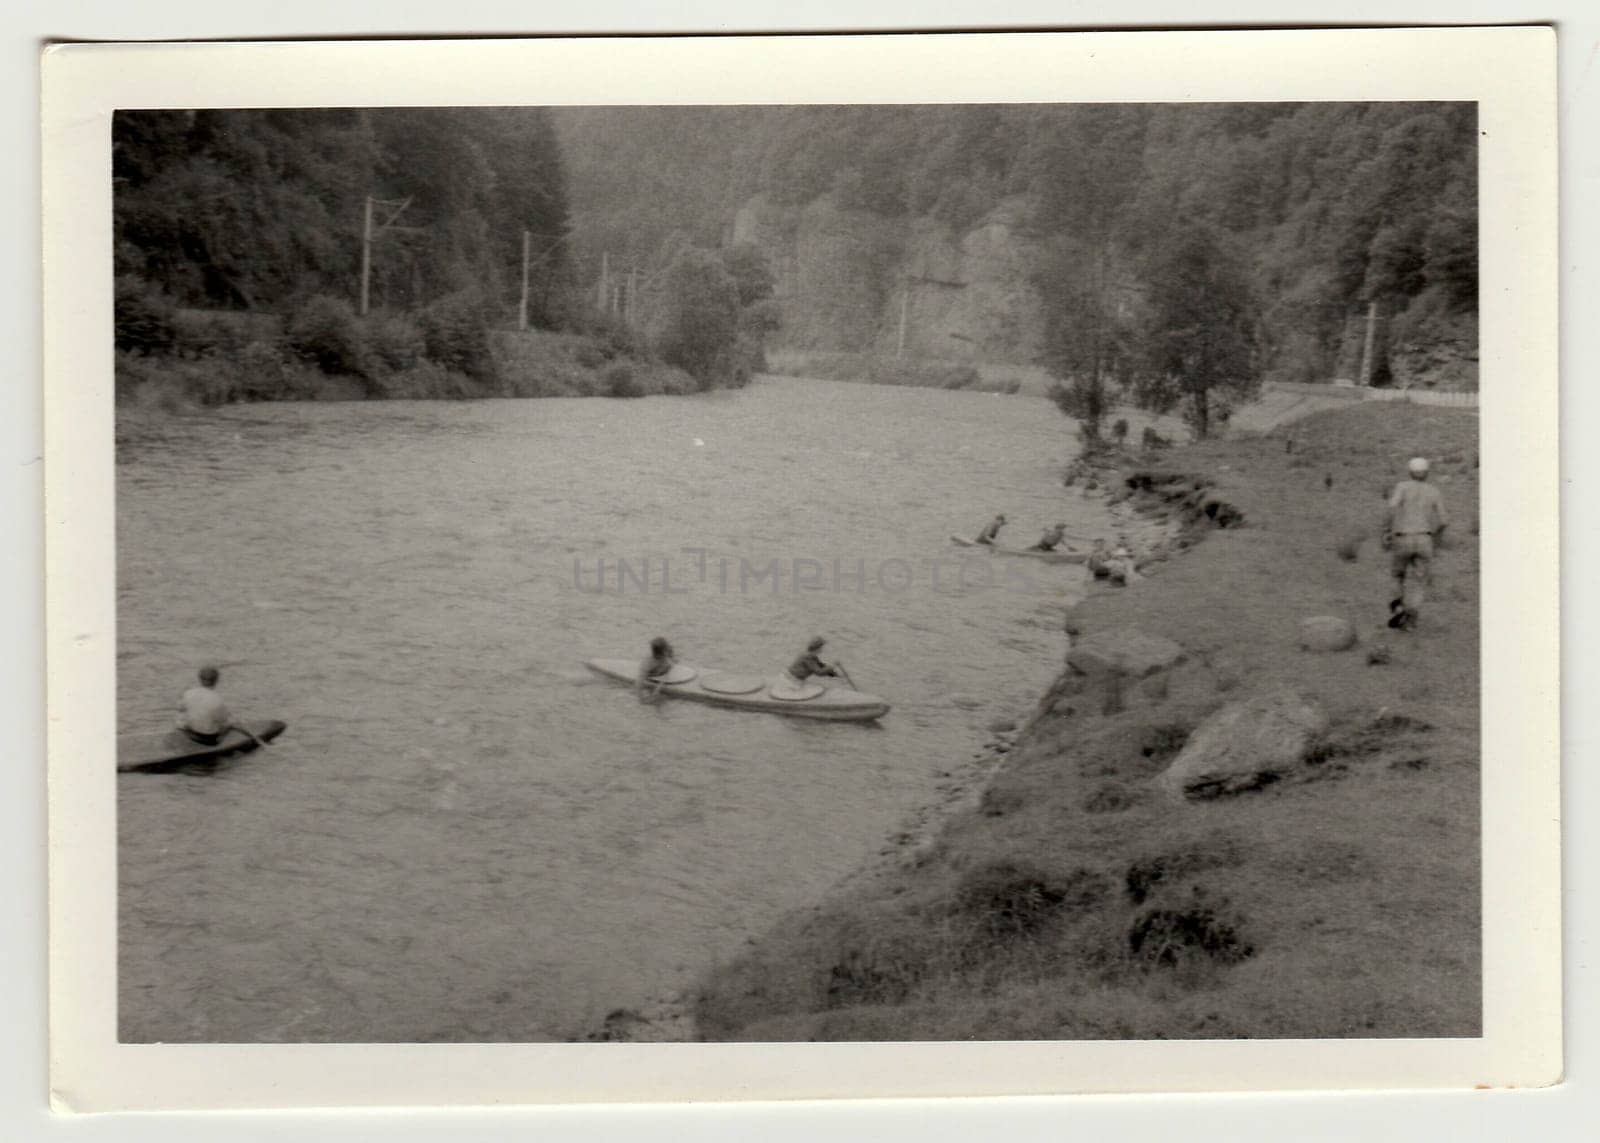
[(459, 811)]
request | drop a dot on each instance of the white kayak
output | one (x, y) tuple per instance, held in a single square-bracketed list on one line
[(1055, 557), (770, 695)]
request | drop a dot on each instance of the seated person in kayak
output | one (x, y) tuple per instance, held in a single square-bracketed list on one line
[(1051, 539), (991, 531), (654, 670), (1122, 565), (811, 664), (205, 717), (1099, 560)]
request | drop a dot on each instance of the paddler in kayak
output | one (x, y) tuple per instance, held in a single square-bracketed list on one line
[(204, 717), (811, 664), (654, 670), (992, 531), (1051, 539)]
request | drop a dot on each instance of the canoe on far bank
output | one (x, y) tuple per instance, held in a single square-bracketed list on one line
[(753, 692), (1055, 557), (153, 753)]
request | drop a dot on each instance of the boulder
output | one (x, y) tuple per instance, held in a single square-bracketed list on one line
[(1244, 746), (1129, 652), (1327, 633)]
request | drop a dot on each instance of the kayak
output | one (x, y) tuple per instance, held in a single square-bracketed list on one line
[(1055, 557), (156, 752), (753, 692)]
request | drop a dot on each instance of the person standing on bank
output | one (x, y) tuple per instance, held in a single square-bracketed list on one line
[(204, 717), (1414, 523)]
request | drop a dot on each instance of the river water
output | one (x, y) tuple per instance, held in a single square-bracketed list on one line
[(463, 835)]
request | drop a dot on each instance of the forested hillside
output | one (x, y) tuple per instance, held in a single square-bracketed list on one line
[(906, 243), (1027, 233), (257, 210)]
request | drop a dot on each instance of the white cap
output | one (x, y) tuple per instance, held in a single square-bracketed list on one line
[(1418, 466)]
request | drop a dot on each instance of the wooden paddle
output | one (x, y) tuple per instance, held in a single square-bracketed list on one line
[(847, 677)]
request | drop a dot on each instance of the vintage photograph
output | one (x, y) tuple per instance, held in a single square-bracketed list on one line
[(797, 572)]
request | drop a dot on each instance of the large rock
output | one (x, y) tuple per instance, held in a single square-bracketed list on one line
[(1244, 746), (1130, 653), (1327, 633)]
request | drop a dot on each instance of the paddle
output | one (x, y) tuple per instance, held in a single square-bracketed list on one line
[(847, 678)]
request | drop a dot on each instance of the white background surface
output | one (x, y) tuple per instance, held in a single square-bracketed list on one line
[(1566, 1112)]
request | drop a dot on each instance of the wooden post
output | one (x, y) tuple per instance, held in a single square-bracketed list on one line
[(604, 292), (366, 256), (522, 311), (905, 306), (1367, 345)]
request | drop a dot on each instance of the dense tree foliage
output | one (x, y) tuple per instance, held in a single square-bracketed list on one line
[(261, 210), (1199, 331), (1331, 206)]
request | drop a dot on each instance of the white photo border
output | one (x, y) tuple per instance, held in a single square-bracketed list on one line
[(1508, 72)]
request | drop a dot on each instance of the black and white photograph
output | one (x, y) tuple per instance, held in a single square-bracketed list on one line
[(799, 571)]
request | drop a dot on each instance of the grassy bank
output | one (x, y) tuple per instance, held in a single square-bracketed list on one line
[(1336, 895), (921, 372)]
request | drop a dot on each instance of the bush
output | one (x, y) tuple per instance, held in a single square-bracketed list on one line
[(325, 331), (699, 326), (456, 336), (619, 381), (394, 342), (427, 381), (144, 317)]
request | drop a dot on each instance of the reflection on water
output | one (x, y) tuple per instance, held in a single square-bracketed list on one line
[(465, 836)]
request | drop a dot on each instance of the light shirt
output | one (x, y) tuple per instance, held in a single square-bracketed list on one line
[(1416, 507), (204, 712)]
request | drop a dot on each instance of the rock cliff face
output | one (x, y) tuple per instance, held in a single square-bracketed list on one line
[(852, 281)]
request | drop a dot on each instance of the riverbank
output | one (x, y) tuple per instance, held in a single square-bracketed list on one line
[(218, 362), (1204, 829)]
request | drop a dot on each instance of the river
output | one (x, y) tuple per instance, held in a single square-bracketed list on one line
[(465, 836)]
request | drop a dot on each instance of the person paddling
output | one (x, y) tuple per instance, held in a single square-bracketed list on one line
[(992, 531), (1099, 560), (654, 670), (811, 664), (204, 717), (1051, 539)]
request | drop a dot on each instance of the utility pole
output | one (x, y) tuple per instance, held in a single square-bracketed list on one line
[(368, 234), (905, 306), (1368, 344), (522, 310), (366, 256)]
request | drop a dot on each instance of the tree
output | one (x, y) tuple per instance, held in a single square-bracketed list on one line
[(699, 323), (1082, 170), (1199, 342)]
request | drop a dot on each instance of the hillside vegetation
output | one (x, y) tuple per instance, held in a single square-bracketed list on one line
[(1031, 234)]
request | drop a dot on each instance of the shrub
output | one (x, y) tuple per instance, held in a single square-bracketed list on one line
[(619, 381), (394, 341), (1151, 441), (699, 325), (144, 317), (456, 336), (1119, 431), (325, 331)]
